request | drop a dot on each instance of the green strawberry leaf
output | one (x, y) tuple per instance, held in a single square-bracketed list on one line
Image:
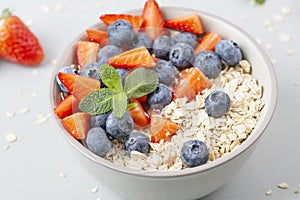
[(119, 104), (97, 102), (140, 82), (111, 78)]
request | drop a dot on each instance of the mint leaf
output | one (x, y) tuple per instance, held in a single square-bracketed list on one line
[(140, 82), (260, 1), (97, 102), (111, 78), (119, 104)]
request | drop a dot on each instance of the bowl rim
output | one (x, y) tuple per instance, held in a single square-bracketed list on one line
[(188, 171)]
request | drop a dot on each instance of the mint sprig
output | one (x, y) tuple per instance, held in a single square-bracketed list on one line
[(139, 82), (260, 1)]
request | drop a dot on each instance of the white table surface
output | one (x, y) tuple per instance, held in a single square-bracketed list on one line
[(40, 165)]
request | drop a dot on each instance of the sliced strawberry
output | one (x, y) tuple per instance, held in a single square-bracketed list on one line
[(97, 36), (67, 107), (208, 42), (135, 21), (191, 82), (142, 99), (77, 125), (153, 20), (189, 23), (87, 52), (138, 114), (161, 128), (138, 57), (79, 86)]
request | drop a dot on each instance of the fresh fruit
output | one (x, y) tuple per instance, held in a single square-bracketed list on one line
[(68, 70), (186, 37), (138, 114), (120, 33), (217, 104), (138, 57), (77, 124), (91, 70), (142, 99), (181, 55), (98, 142), (135, 21), (208, 42), (87, 52), (189, 23), (161, 128), (66, 107), (99, 120), (162, 96), (137, 142), (166, 72), (79, 86), (119, 128), (97, 36), (162, 46), (107, 52), (17, 43), (229, 51), (194, 153), (191, 82), (153, 24), (141, 39), (209, 63)]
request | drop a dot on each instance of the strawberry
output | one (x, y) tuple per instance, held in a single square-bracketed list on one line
[(138, 114), (142, 99), (97, 36), (87, 52), (79, 86), (153, 20), (191, 82), (67, 107), (189, 23), (208, 42), (161, 128), (17, 43), (77, 124), (135, 21), (138, 57)]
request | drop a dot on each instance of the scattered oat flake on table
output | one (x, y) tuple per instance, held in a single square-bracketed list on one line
[(95, 189), (41, 118), (35, 72), (46, 9), (10, 114), (62, 175), (278, 17), (267, 23), (7, 146), (269, 192), (29, 23), (33, 95), (59, 7), (283, 185), (10, 137), (24, 111), (286, 10), (269, 47), (284, 37), (290, 52)]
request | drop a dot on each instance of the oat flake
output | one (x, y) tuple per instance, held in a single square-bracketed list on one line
[(269, 192), (10, 137), (278, 17), (283, 185), (45, 8), (268, 23), (284, 37), (95, 189), (41, 118), (59, 7), (286, 10), (10, 114), (62, 175), (6, 147), (290, 52), (24, 111)]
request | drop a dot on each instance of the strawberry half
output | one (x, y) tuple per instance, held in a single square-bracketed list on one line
[(138, 114), (17, 43), (87, 52), (135, 21), (153, 20), (79, 86), (67, 107), (97, 36), (138, 57), (77, 125), (189, 23), (208, 42)]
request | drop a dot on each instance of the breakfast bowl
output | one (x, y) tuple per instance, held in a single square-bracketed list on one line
[(188, 183)]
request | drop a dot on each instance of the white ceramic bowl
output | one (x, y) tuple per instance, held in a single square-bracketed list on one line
[(191, 183)]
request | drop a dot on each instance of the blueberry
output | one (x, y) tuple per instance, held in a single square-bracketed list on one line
[(166, 72), (99, 120), (162, 95), (119, 128), (120, 33), (98, 142), (181, 55), (141, 39), (107, 52), (209, 63), (137, 142), (162, 46), (186, 37), (217, 104), (67, 70), (91, 70), (194, 153), (229, 52), (123, 73)]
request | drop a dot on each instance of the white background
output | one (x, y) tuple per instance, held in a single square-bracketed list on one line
[(31, 167)]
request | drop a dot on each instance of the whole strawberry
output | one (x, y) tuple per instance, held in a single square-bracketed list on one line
[(17, 43)]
